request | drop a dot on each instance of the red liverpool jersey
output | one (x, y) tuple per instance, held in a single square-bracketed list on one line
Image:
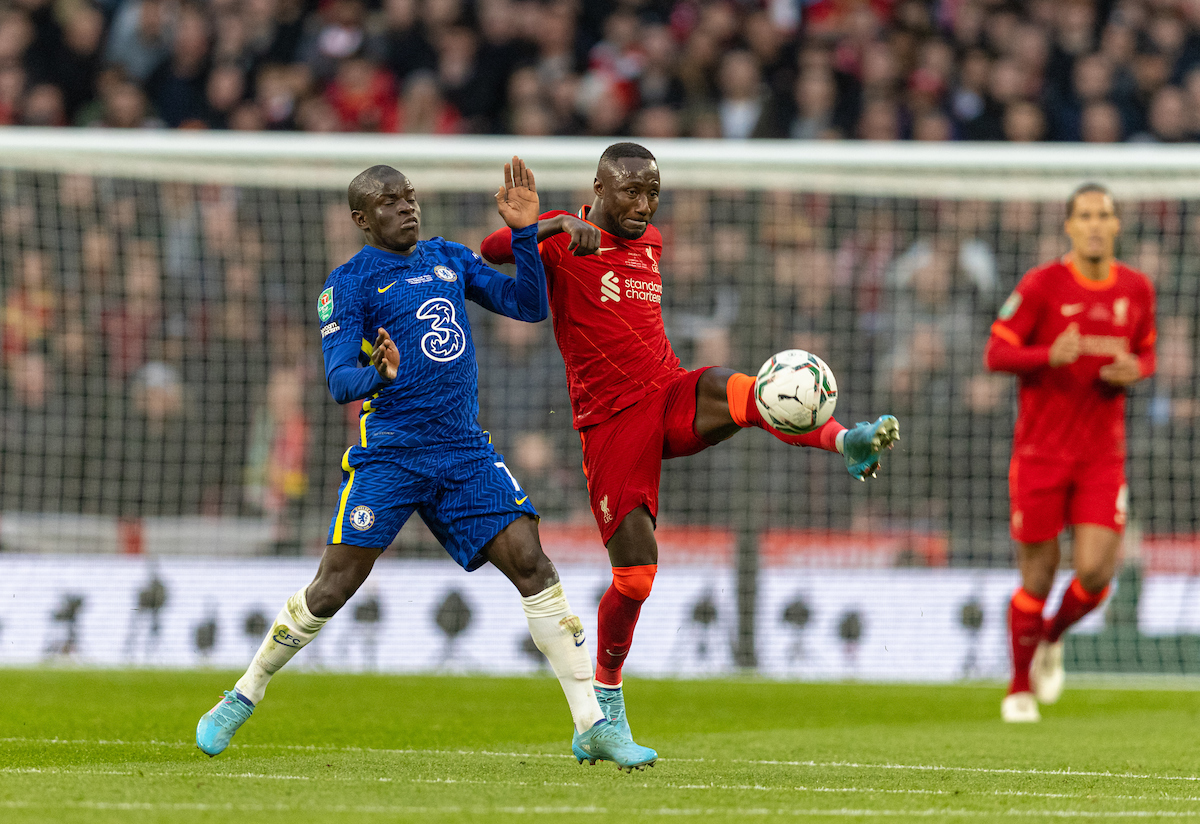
[(1068, 411), (607, 310)]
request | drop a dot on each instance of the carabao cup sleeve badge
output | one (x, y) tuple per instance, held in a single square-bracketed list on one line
[(325, 305)]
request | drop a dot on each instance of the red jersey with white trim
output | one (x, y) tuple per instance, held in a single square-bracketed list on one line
[(1069, 411), (607, 311)]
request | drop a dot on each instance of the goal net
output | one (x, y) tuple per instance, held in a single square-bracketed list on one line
[(169, 455)]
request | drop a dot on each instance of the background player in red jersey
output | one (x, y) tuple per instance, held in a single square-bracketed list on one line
[(633, 403), (1077, 331)]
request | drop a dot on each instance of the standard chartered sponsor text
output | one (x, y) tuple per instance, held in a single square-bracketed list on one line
[(643, 290)]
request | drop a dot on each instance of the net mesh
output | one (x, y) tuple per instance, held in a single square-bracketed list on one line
[(163, 402)]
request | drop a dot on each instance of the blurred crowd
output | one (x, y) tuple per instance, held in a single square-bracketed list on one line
[(1099, 71), (161, 357)]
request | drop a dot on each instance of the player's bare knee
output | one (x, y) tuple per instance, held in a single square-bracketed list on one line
[(1095, 576), (324, 598)]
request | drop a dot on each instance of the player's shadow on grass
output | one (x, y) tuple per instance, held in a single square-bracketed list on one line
[(453, 617)]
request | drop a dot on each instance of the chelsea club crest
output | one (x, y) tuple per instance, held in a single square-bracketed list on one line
[(445, 273), (362, 518)]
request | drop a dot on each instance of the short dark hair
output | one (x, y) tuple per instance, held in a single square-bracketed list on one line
[(618, 151), (366, 182), (1086, 188)]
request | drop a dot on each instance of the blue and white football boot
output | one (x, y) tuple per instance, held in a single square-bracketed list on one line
[(612, 704), (604, 742), (864, 443), (218, 725)]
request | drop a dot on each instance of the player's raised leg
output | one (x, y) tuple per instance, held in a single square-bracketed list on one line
[(558, 633), (1037, 562), (1095, 555), (342, 571), (725, 404)]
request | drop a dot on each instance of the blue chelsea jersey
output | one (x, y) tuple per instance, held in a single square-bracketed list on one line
[(420, 299)]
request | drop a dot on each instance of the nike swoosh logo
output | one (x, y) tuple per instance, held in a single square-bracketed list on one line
[(389, 286), (607, 249), (581, 642), (522, 500), (1071, 309)]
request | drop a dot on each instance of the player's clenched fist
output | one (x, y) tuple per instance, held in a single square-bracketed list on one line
[(517, 199), (1066, 347), (385, 357)]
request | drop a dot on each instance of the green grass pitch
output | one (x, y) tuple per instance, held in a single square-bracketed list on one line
[(111, 746)]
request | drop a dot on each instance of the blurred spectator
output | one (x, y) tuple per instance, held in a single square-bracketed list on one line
[(363, 96), (1101, 123), (1167, 120), (223, 94), (176, 87), (139, 39), (12, 90), (1024, 123), (29, 307), (44, 106), (742, 94)]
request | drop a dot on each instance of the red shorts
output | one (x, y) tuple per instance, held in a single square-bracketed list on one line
[(622, 456), (1047, 493)]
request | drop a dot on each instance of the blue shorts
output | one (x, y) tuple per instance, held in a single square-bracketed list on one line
[(463, 492)]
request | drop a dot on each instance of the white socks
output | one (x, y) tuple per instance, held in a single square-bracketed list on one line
[(294, 627), (840, 441), (558, 633)]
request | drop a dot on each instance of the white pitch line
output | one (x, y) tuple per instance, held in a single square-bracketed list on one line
[(1070, 773), (593, 810), (575, 784)]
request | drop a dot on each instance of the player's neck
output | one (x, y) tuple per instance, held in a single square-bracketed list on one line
[(1092, 269), (597, 217), (376, 244)]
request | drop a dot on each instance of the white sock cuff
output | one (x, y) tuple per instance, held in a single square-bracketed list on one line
[(297, 606), (551, 602), (615, 686), (840, 441)]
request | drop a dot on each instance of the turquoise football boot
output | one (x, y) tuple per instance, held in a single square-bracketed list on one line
[(604, 742), (612, 703), (864, 443), (219, 724)]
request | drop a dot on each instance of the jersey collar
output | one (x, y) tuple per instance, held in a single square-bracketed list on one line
[(1092, 285)]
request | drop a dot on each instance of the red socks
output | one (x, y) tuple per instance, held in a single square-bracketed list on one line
[(743, 410), (1076, 603), (1025, 631), (618, 615)]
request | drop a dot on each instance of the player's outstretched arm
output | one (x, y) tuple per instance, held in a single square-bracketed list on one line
[(523, 297)]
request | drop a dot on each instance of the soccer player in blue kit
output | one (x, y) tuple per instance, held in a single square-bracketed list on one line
[(420, 445)]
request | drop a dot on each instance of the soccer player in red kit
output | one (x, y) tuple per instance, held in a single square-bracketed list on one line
[(633, 404), (1077, 331)]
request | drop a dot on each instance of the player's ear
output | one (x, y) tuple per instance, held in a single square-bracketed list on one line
[(359, 218), (597, 187)]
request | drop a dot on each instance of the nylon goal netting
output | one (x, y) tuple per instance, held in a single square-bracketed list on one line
[(169, 453)]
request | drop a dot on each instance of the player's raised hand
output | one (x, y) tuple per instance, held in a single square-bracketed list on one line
[(385, 357), (1123, 371), (517, 199), (585, 238), (1066, 347)]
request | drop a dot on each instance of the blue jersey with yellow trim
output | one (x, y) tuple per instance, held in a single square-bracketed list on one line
[(420, 299)]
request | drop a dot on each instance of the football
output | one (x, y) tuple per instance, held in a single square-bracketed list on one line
[(795, 392)]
